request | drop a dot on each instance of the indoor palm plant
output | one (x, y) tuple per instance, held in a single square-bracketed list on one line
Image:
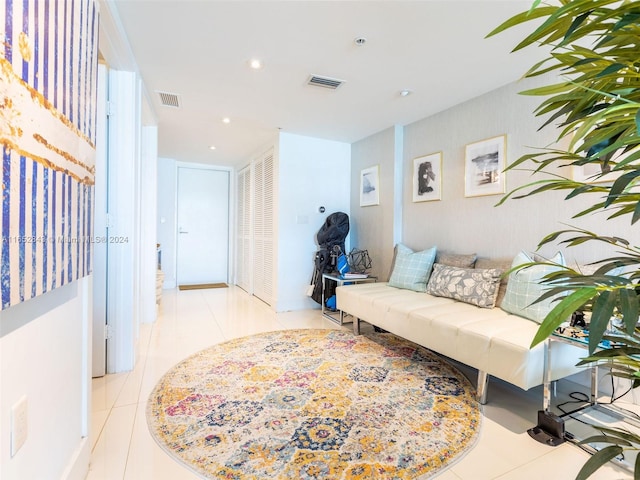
[(594, 101)]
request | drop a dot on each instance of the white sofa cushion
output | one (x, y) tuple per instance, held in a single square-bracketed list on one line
[(490, 340)]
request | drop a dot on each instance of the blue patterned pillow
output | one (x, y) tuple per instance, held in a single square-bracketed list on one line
[(524, 287), (411, 269)]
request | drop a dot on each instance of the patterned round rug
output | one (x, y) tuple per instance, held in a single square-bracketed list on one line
[(314, 404)]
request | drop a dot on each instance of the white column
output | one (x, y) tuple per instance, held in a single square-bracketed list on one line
[(124, 168)]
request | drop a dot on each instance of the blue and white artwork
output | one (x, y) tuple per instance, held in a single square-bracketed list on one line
[(48, 77)]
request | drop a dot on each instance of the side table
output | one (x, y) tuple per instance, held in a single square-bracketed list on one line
[(337, 316), (592, 413)]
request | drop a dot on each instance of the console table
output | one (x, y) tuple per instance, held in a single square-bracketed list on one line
[(337, 316)]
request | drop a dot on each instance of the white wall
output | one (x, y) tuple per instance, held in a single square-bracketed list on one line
[(148, 230), (167, 198), (311, 173), (45, 356), (475, 224), (124, 252), (374, 228)]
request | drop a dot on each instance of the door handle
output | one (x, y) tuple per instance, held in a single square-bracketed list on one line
[(182, 231)]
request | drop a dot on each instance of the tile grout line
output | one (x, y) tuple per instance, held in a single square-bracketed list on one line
[(144, 372)]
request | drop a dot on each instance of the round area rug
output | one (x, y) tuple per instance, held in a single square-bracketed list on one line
[(314, 404)]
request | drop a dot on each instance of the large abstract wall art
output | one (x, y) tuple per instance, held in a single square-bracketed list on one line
[(48, 70)]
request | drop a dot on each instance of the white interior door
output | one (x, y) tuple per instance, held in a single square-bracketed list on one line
[(203, 226)]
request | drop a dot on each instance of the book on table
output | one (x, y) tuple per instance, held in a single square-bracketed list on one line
[(355, 275)]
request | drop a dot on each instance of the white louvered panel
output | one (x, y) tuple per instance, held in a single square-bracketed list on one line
[(263, 266), (247, 205), (268, 197), (246, 250), (247, 265), (243, 238), (258, 269), (258, 185), (240, 200), (268, 286)]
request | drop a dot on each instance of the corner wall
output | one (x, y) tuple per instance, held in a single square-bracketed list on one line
[(45, 356), (373, 228), (167, 220), (312, 172)]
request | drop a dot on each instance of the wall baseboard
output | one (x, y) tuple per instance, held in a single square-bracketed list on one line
[(78, 466)]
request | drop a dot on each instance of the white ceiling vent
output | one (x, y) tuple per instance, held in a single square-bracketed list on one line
[(169, 99), (324, 82)]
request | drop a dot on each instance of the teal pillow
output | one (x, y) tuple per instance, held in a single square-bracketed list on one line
[(524, 287), (411, 269)]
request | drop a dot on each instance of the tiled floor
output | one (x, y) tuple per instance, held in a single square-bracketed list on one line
[(192, 320)]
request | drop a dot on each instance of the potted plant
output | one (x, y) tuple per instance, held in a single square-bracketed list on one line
[(594, 100)]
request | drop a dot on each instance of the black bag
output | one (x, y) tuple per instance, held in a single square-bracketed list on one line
[(331, 235)]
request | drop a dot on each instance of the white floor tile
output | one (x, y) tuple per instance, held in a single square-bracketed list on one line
[(562, 462), (190, 321), (147, 459), (109, 456)]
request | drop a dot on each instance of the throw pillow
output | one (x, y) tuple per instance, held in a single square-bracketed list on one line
[(524, 287), (456, 259), (503, 264), (470, 285), (411, 269)]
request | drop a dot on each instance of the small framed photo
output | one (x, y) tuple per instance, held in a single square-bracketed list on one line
[(593, 173), (370, 186), (427, 178), (484, 164)]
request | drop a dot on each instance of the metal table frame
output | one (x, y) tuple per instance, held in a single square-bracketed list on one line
[(339, 282)]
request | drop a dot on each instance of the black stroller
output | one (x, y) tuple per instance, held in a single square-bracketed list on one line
[(330, 240)]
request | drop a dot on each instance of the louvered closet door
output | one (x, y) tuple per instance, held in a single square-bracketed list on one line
[(263, 255), (243, 233)]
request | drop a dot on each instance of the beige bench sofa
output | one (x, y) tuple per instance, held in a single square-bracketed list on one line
[(488, 339)]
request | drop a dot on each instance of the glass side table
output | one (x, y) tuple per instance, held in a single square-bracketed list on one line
[(337, 316), (592, 414)]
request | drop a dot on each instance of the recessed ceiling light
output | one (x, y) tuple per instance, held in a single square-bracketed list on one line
[(404, 93), (255, 64), (226, 120), (212, 147), (359, 41)]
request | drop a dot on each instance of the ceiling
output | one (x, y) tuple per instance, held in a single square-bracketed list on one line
[(200, 51)]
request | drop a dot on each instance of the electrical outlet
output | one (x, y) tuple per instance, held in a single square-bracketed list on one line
[(19, 425)]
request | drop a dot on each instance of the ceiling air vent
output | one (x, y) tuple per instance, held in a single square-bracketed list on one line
[(169, 99), (324, 82)]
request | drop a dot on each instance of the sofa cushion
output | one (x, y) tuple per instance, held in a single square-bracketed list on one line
[(524, 287), (470, 285), (503, 264), (456, 259), (411, 269)]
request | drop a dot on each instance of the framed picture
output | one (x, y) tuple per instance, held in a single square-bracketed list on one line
[(590, 173), (484, 164), (370, 186), (427, 178)]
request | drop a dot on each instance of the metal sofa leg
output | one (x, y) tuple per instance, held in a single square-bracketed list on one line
[(356, 325), (483, 383)]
